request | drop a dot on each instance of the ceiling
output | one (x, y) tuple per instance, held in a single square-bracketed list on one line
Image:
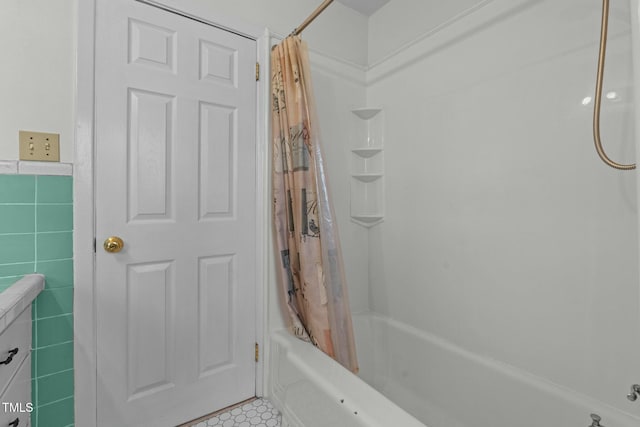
[(366, 7)]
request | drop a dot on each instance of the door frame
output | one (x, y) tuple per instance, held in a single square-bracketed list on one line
[(85, 336)]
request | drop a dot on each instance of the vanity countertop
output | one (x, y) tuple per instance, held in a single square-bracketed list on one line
[(19, 296)]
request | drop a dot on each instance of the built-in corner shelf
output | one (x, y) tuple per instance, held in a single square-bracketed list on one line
[(366, 113), (367, 152), (367, 177), (368, 220)]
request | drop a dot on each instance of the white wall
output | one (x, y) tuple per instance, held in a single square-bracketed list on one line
[(504, 233), (403, 21), (37, 74)]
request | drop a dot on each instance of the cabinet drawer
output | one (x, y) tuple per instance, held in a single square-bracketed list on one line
[(15, 403), (16, 336)]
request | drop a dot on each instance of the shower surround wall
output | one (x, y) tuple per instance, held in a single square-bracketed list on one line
[(504, 233), (36, 224)]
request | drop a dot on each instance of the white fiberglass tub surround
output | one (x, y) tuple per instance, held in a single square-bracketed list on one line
[(502, 283)]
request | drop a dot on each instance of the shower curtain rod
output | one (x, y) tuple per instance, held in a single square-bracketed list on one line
[(311, 17)]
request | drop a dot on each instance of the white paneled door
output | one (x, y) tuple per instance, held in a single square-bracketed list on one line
[(175, 180)]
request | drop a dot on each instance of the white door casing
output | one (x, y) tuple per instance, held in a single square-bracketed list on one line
[(175, 178)]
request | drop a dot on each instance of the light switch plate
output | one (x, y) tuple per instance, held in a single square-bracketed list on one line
[(40, 147)]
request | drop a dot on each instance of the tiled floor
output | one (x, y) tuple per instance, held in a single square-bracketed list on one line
[(258, 413)]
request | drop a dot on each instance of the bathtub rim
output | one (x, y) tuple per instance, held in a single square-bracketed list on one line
[(571, 397), (373, 408)]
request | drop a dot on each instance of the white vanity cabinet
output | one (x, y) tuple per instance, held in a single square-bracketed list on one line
[(15, 372), (15, 350)]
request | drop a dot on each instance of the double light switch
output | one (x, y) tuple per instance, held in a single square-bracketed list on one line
[(38, 146)]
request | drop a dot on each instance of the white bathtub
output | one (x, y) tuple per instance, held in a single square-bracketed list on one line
[(312, 390), (440, 384)]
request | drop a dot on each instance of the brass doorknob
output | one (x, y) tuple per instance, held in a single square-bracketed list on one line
[(113, 244)]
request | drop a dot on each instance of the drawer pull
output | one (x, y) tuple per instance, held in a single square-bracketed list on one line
[(8, 360), (15, 423)]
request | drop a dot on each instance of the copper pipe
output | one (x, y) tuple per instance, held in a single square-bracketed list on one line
[(311, 17), (598, 98)]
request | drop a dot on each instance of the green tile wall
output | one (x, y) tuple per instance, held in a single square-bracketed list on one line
[(36, 234)]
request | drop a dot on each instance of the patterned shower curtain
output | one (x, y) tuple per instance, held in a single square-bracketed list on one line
[(308, 250)]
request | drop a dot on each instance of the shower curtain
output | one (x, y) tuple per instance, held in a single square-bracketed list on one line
[(308, 250)]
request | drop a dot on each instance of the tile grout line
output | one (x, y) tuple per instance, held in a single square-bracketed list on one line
[(35, 258), (30, 204), (34, 329), (29, 262), (56, 401), (55, 315), (35, 215), (53, 345), (58, 372), (15, 263)]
